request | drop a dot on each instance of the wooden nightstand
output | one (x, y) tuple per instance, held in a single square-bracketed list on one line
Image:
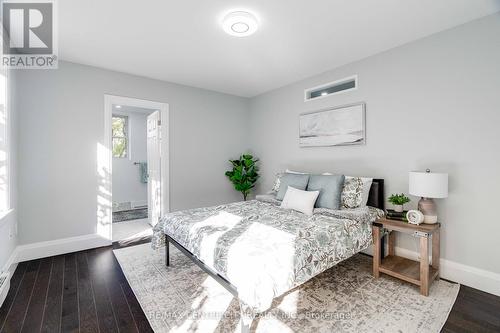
[(420, 273)]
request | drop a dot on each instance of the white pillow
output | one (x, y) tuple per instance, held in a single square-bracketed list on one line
[(367, 184), (302, 201)]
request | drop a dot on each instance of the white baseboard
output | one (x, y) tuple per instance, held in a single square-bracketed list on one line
[(8, 270), (11, 264), (470, 276), (450, 270), (59, 246)]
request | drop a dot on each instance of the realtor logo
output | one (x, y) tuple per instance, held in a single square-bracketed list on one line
[(29, 34)]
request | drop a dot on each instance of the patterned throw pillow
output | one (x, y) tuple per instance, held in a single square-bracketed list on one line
[(276, 186), (352, 193)]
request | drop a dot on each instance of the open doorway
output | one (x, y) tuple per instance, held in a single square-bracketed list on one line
[(137, 131)]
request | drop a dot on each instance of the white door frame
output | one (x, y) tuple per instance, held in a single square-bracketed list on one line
[(109, 100)]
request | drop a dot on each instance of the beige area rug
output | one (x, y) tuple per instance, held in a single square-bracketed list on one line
[(346, 298)]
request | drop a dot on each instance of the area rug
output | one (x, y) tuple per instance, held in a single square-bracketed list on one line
[(128, 215), (345, 298)]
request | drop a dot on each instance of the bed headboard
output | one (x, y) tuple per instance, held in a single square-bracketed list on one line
[(376, 198)]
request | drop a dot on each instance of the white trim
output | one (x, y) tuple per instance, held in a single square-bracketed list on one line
[(11, 263), (7, 141), (450, 270), (59, 246), (109, 100), (325, 85), (8, 270)]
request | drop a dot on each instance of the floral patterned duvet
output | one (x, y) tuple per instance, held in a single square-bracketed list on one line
[(264, 250)]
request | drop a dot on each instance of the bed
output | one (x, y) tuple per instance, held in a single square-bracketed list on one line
[(259, 251)]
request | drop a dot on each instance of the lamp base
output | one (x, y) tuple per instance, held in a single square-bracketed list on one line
[(428, 208)]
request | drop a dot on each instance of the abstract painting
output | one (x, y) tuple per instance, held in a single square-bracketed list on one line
[(344, 125)]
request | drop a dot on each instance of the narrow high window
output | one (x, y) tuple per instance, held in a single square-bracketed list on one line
[(332, 88)]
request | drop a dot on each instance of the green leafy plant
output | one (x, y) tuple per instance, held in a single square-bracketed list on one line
[(244, 174), (399, 199)]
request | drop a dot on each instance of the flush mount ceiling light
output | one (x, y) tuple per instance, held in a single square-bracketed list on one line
[(240, 23)]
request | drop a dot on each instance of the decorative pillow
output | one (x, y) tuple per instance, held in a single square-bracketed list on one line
[(302, 201), (330, 190), (352, 193), (276, 185), (294, 180), (367, 184)]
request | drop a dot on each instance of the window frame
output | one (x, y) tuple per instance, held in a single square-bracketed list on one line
[(126, 136), (309, 91), (6, 207)]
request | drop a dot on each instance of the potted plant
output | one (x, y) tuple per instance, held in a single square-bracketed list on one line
[(244, 174), (398, 200)]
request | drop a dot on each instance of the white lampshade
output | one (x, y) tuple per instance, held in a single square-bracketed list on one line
[(428, 184)]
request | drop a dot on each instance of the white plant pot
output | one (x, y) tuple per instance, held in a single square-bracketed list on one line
[(398, 208)]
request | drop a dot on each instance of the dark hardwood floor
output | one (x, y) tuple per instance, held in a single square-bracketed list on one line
[(87, 292), (78, 292)]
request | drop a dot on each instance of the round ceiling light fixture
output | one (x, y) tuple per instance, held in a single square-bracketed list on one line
[(240, 23)]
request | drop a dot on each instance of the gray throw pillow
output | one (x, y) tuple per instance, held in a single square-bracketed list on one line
[(294, 180), (330, 190)]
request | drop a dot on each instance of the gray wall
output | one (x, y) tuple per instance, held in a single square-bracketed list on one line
[(433, 103), (63, 122)]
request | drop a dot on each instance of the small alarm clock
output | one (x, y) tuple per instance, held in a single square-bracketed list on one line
[(415, 217)]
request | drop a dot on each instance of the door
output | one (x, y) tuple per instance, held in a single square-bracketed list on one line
[(154, 168)]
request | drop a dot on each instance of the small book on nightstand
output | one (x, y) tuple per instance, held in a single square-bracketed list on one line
[(393, 215)]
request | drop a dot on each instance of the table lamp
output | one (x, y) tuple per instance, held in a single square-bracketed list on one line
[(428, 185)]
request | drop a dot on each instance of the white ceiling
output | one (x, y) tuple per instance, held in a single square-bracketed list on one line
[(182, 41)]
